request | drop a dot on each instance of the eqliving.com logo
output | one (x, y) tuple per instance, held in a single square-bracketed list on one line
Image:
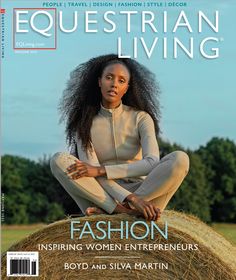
[(34, 29)]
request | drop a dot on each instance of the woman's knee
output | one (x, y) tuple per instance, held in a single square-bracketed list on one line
[(181, 161), (60, 161)]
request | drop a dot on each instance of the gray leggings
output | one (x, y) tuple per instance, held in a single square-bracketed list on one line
[(159, 185)]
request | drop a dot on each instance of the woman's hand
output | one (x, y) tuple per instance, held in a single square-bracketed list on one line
[(82, 169), (147, 208)]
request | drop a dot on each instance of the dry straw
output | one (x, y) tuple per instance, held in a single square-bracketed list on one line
[(214, 259)]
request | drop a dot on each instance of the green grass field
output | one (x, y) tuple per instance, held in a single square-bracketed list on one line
[(13, 233), (227, 230)]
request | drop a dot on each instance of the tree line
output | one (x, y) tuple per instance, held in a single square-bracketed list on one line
[(32, 194)]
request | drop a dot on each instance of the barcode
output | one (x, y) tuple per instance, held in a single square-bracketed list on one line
[(22, 263), (22, 266)]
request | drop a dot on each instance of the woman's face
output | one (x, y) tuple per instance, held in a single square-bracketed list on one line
[(114, 83)]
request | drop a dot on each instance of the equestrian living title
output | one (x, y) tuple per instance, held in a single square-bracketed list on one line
[(159, 32)]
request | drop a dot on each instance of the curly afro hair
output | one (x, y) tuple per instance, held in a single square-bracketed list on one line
[(82, 97)]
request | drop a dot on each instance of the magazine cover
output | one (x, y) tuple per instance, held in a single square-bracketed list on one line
[(118, 152)]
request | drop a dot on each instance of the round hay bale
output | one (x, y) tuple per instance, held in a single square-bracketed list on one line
[(157, 258)]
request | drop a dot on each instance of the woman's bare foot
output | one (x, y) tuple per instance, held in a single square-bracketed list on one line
[(118, 210), (93, 211), (146, 208), (125, 208), (121, 208), (126, 205)]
